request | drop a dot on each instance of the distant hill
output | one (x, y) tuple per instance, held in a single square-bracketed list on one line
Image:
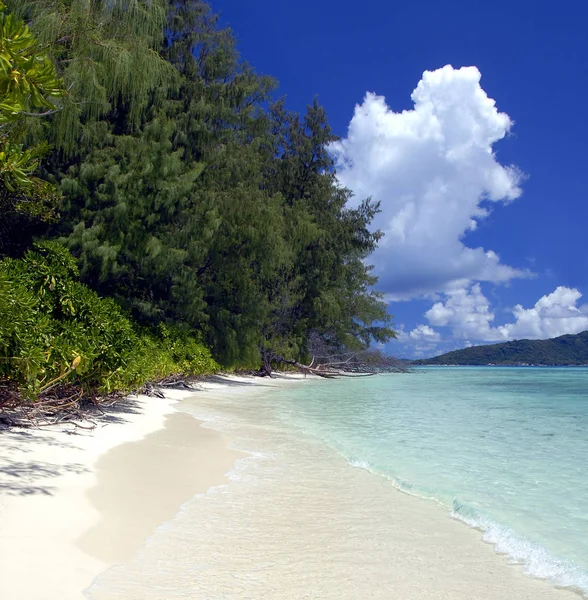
[(563, 350)]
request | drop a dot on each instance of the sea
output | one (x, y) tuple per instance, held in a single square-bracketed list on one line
[(502, 451)]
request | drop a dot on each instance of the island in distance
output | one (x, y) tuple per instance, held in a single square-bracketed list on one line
[(565, 350)]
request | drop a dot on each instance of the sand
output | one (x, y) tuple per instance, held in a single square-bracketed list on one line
[(72, 506)]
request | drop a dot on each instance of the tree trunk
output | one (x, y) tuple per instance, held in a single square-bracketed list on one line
[(266, 368)]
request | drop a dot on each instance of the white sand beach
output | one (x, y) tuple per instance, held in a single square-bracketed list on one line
[(74, 503)]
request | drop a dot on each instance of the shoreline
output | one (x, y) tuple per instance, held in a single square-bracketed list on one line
[(45, 475), (95, 498), (134, 496), (74, 503), (445, 545), (282, 530)]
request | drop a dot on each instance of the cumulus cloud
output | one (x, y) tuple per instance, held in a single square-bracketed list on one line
[(434, 170), (424, 333), (468, 313), (422, 340), (553, 315)]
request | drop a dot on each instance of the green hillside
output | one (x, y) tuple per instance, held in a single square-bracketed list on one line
[(563, 350)]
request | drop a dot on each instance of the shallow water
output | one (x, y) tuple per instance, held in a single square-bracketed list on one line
[(501, 449), (506, 449)]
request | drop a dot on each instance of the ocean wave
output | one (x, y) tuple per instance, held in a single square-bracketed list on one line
[(535, 559), (399, 484), (360, 464)]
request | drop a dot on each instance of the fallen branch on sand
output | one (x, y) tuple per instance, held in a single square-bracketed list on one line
[(69, 404), (64, 404), (324, 370)]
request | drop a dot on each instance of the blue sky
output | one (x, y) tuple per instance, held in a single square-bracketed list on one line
[(484, 206)]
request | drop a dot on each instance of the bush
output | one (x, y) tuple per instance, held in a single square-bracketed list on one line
[(160, 354), (53, 329)]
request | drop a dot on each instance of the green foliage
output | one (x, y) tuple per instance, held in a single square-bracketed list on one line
[(171, 220), (27, 77), (106, 51), (28, 87), (191, 202), (563, 350), (55, 329), (160, 354), (224, 215), (326, 290)]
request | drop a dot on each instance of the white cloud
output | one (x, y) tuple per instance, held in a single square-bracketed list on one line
[(424, 333), (422, 340), (468, 313), (432, 168), (553, 315), (421, 333)]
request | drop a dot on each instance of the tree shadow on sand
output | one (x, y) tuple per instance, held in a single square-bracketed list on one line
[(225, 381), (27, 478), (114, 413)]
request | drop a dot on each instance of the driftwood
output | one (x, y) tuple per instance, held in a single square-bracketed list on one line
[(60, 403), (332, 363), (324, 370)]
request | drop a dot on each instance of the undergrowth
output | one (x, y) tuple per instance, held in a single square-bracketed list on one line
[(55, 331)]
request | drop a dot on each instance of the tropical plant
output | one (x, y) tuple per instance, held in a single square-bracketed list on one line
[(29, 88), (55, 330)]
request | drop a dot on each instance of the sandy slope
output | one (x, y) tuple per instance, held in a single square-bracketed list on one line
[(72, 504)]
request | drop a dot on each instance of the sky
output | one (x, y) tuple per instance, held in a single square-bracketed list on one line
[(467, 120)]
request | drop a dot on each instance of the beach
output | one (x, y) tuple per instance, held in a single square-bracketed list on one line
[(76, 501), (201, 495)]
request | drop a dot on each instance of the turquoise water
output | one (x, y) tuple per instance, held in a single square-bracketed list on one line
[(504, 449)]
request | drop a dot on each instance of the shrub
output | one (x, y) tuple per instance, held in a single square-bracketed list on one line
[(54, 329)]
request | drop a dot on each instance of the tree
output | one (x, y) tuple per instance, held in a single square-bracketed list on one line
[(29, 87), (125, 205), (172, 218), (218, 214), (106, 52), (328, 292)]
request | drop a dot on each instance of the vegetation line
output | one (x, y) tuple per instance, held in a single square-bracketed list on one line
[(162, 213)]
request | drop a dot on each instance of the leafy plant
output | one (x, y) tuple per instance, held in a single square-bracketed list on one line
[(29, 86), (54, 330)]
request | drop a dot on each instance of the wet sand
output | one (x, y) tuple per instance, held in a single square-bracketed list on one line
[(146, 493)]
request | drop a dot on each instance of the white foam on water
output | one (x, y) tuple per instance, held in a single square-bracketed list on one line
[(426, 438), (537, 561)]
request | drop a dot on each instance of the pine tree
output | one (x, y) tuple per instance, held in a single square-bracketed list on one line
[(327, 294), (172, 219), (217, 214), (125, 203)]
